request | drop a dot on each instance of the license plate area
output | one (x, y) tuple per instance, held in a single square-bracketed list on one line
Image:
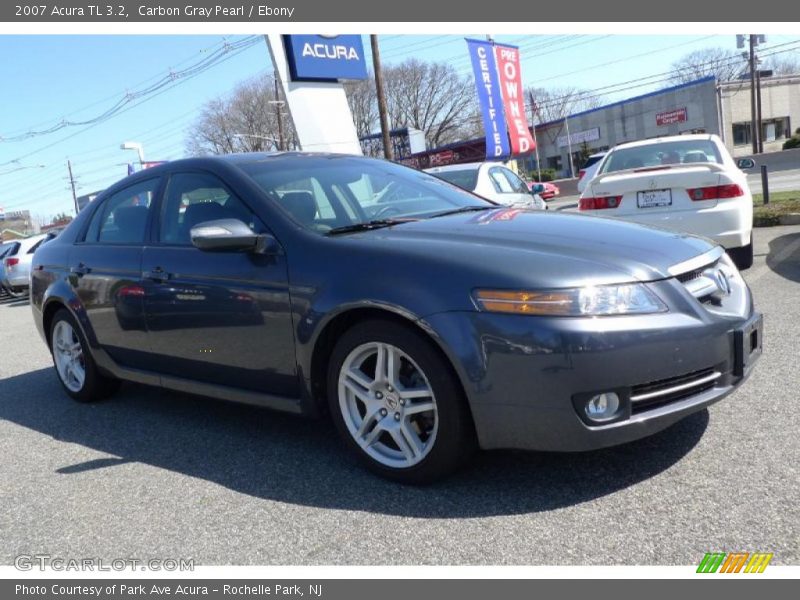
[(654, 198), (748, 346)]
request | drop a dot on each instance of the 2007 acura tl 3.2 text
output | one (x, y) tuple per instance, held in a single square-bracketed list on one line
[(426, 320)]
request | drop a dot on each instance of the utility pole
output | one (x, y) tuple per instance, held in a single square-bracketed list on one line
[(758, 110), (382, 110), (72, 185), (754, 123), (278, 113), (534, 110), (569, 148)]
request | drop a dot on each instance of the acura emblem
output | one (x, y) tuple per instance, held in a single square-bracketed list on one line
[(721, 279)]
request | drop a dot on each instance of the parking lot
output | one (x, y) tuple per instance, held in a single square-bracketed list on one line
[(153, 474)]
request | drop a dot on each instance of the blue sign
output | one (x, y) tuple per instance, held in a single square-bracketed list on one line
[(325, 58), (491, 99)]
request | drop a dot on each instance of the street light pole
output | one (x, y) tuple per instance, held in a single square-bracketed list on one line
[(139, 151)]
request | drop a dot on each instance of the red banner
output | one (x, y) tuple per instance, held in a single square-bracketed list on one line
[(513, 98), (678, 115)]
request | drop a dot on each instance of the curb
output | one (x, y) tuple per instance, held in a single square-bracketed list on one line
[(790, 219)]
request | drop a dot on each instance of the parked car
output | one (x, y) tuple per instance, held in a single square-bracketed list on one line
[(686, 183), (17, 263), (454, 323), (493, 181), (589, 170), (5, 248), (548, 190)]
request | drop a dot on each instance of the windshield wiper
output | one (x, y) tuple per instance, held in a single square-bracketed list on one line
[(463, 209), (367, 225)]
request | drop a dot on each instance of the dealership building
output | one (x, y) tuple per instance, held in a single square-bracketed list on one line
[(700, 106)]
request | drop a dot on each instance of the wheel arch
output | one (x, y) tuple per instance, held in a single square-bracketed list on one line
[(337, 325)]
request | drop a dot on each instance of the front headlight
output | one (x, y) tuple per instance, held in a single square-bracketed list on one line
[(590, 301)]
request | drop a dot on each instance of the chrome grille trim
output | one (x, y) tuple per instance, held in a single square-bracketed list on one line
[(713, 376), (693, 264)]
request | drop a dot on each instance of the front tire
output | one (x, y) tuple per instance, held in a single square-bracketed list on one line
[(72, 358), (397, 404)]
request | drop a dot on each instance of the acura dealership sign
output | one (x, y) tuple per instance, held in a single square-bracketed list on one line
[(325, 58)]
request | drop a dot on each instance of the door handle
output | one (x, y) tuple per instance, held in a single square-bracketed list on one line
[(158, 274), (80, 270)]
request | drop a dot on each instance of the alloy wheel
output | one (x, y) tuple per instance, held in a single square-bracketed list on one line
[(388, 405), (68, 356)]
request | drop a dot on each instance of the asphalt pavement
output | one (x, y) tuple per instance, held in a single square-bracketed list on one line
[(155, 474)]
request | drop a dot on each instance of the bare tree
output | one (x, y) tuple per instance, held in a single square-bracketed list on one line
[(722, 63), (783, 64), (244, 121), (554, 104), (429, 96), (363, 104)]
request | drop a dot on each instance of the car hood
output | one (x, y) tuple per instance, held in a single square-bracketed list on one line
[(545, 249)]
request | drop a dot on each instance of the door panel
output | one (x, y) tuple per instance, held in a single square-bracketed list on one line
[(216, 317), (105, 271), (108, 282), (220, 318)]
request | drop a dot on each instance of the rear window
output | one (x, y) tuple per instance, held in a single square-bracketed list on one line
[(466, 179), (592, 160), (9, 250), (680, 152)]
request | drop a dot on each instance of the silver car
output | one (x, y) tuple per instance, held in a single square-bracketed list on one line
[(17, 263)]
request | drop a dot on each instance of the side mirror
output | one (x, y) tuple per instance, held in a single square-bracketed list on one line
[(231, 235), (745, 163), (537, 188)]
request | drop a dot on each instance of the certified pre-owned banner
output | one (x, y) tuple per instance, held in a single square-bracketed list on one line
[(494, 123), (513, 98)]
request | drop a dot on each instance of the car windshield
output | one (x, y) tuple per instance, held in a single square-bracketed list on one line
[(466, 179), (662, 153), (325, 193)]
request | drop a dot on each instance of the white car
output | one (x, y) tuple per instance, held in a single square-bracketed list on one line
[(687, 183), (492, 181), (589, 170)]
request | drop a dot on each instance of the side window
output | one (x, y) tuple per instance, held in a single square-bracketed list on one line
[(122, 218), (516, 182), (501, 184), (193, 198)]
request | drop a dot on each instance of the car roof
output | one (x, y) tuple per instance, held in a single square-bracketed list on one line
[(671, 138)]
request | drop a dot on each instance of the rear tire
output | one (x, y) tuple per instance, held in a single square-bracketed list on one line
[(397, 404), (75, 367), (742, 257)]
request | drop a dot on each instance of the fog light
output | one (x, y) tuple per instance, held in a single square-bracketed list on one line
[(602, 407)]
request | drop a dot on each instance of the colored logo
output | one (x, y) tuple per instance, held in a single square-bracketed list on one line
[(325, 58), (734, 562)]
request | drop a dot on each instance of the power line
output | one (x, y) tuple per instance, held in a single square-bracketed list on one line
[(130, 98), (163, 89)]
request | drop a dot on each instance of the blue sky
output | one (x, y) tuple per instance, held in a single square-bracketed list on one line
[(49, 78)]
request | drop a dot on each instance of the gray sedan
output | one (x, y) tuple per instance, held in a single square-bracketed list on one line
[(427, 322)]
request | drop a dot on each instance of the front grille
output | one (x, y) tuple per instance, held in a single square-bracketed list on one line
[(689, 275), (654, 394)]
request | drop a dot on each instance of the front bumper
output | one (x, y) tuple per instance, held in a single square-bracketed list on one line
[(527, 378)]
